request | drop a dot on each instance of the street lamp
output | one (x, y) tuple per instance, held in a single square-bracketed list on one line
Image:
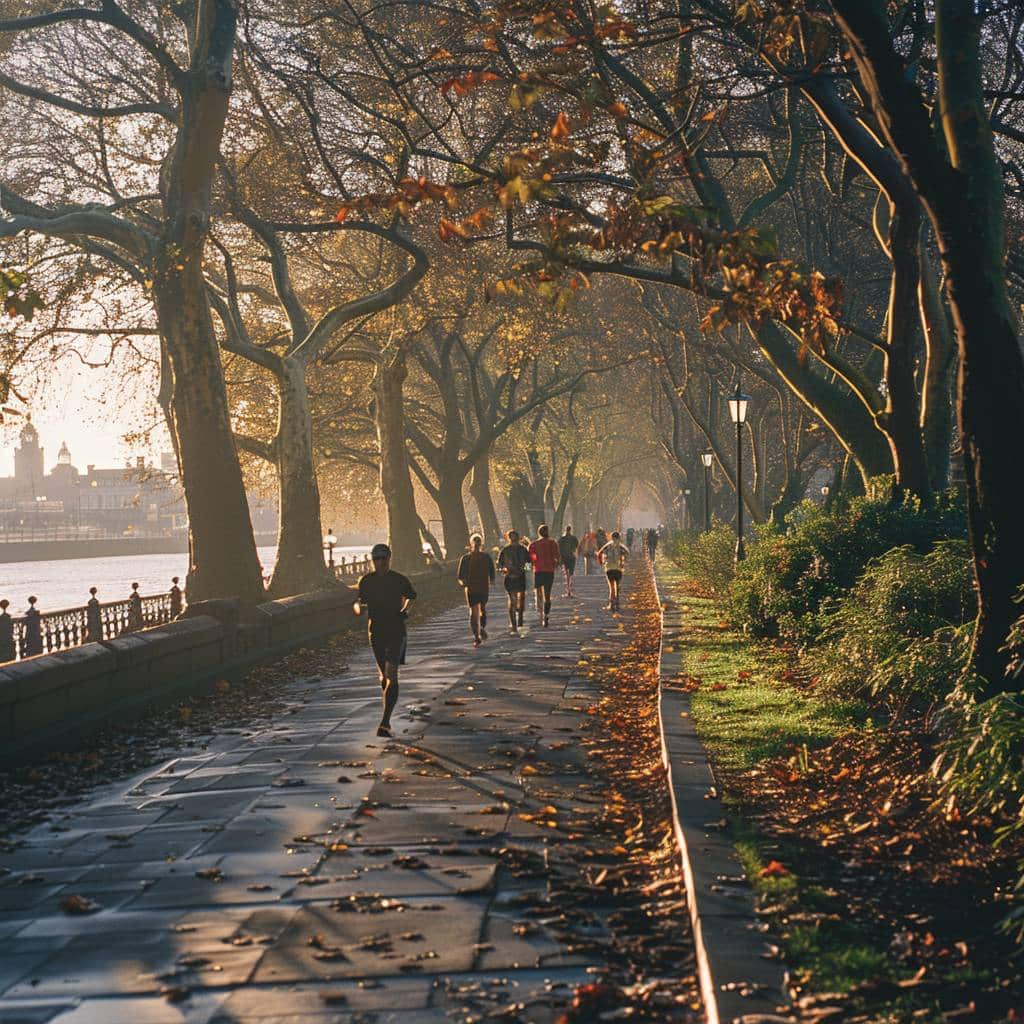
[(329, 541), (686, 508), (707, 458), (738, 411)]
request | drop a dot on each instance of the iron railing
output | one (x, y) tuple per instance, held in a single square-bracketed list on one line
[(38, 632), (344, 570)]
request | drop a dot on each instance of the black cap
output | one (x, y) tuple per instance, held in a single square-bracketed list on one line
[(380, 551)]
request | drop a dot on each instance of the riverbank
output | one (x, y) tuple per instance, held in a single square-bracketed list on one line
[(65, 583), (112, 547)]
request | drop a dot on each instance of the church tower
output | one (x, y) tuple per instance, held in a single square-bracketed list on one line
[(28, 461)]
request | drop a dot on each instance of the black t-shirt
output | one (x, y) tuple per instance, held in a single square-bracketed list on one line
[(515, 559), (381, 594)]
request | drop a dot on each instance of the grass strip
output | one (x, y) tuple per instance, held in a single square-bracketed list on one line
[(753, 715)]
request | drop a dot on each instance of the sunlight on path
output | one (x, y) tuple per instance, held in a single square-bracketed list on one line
[(310, 870)]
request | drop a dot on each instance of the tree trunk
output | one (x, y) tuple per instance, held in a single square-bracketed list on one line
[(480, 488), (844, 415), (520, 520), (222, 550), (395, 480), (937, 386), (900, 420), (991, 404), (300, 558), (453, 512)]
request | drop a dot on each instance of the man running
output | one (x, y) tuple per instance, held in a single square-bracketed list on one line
[(512, 562), (476, 574), (652, 543), (614, 555), (567, 545), (545, 556), (386, 595)]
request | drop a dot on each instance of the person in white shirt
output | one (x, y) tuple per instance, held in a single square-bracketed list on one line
[(613, 557)]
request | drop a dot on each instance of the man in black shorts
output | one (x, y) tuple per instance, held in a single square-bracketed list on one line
[(512, 562), (614, 555), (568, 544), (546, 557), (386, 595), (476, 574)]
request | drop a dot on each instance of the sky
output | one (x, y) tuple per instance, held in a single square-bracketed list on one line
[(91, 409)]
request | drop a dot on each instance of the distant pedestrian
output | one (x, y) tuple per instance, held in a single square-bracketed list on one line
[(600, 538), (513, 561), (614, 555), (476, 574), (629, 538), (545, 556), (652, 543), (568, 544), (588, 548), (385, 595)]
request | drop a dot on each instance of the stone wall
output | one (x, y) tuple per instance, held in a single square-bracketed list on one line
[(54, 700)]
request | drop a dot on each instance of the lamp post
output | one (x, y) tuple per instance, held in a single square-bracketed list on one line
[(824, 494), (686, 508), (329, 541), (707, 458), (738, 411)]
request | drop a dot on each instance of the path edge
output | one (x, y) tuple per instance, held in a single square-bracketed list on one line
[(729, 1005)]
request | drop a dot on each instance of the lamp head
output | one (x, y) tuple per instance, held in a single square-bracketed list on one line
[(707, 458), (738, 405)]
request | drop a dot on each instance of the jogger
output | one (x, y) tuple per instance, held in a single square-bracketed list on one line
[(386, 595), (476, 574), (614, 555), (567, 546), (546, 557), (513, 560)]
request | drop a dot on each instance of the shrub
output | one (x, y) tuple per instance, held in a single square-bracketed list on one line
[(787, 575), (901, 633), (708, 559)]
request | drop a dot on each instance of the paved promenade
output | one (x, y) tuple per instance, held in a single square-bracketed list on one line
[(311, 872)]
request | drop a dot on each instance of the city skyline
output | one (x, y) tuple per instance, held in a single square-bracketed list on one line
[(75, 413)]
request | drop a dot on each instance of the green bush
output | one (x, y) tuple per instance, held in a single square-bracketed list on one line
[(981, 772), (902, 632), (787, 574), (708, 559)]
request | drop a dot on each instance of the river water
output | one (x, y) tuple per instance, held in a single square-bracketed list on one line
[(65, 582)]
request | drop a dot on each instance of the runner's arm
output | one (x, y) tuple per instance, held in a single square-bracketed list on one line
[(408, 596)]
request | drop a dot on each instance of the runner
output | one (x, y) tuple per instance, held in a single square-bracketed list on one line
[(386, 595), (652, 543), (476, 574), (567, 545), (512, 562), (545, 556), (600, 538), (629, 538), (588, 548), (614, 555)]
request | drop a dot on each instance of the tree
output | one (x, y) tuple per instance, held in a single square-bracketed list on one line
[(130, 85), (955, 170)]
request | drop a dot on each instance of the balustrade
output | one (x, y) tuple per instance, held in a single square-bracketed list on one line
[(344, 570), (38, 632)]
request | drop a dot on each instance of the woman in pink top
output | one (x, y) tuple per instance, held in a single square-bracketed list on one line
[(546, 558)]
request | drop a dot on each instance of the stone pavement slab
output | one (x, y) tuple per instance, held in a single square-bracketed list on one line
[(309, 871)]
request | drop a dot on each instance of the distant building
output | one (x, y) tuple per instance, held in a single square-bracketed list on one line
[(135, 499)]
